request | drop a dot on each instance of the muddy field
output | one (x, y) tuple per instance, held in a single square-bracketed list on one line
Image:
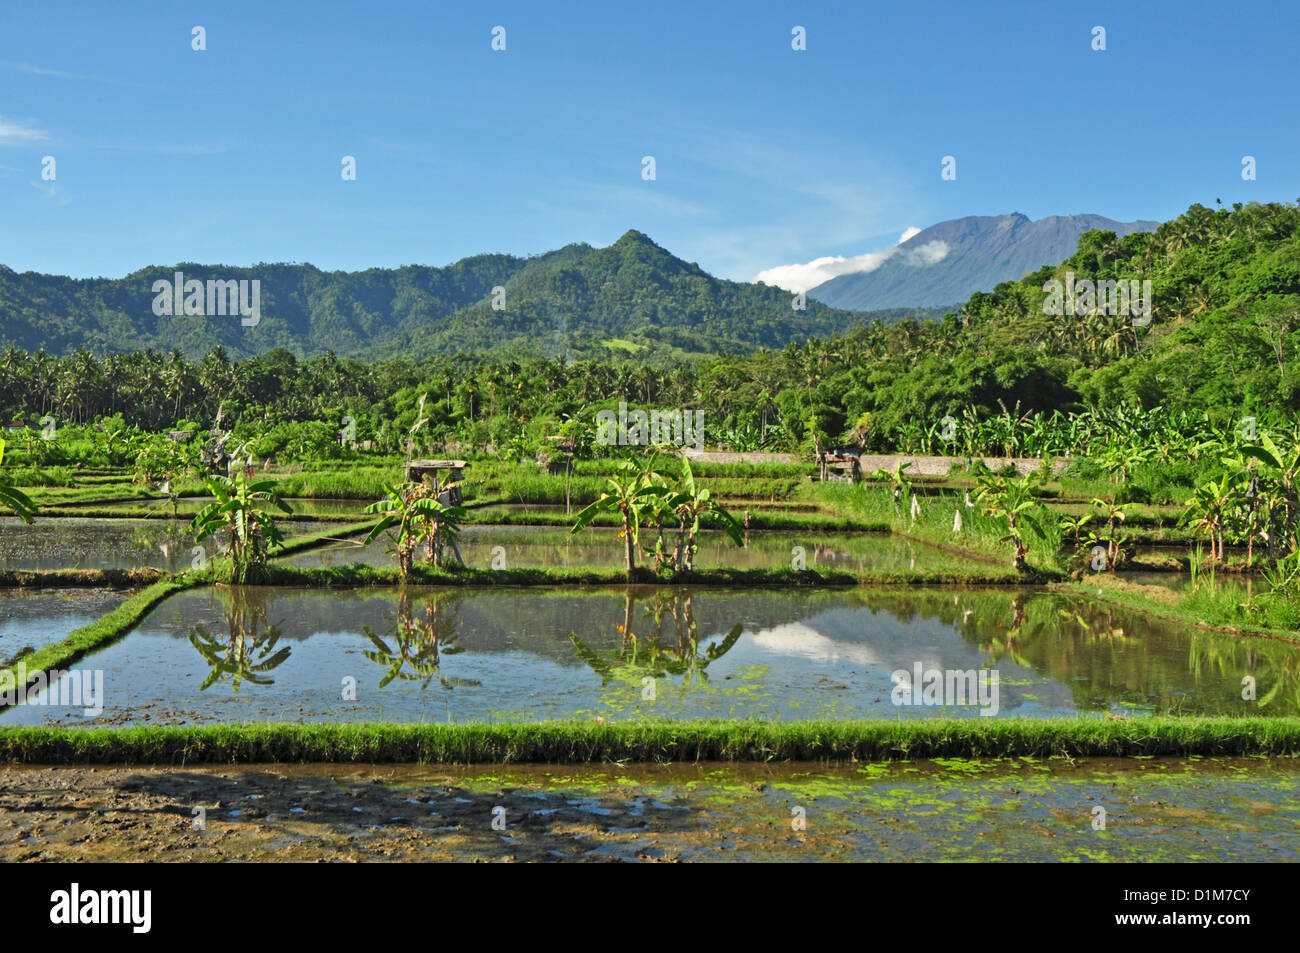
[(1194, 809)]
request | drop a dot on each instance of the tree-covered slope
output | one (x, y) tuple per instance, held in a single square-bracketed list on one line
[(632, 296)]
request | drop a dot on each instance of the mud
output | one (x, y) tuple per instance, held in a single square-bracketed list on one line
[(1165, 809)]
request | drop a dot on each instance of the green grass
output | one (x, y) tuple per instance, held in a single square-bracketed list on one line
[(360, 482), (980, 536), (355, 576), (77, 578), (584, 742), (1220, 610)]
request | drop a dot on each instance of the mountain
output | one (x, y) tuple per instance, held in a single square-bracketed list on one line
[(633, 297), (949, 262)]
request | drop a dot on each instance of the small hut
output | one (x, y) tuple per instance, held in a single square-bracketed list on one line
[(840, 464), (438, 474)]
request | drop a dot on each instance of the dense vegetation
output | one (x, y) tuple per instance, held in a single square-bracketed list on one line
[(630, 298), (1221, 346)]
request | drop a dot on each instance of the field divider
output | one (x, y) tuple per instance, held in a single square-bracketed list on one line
[(1130, 595), (659, 741), (78, 578), (301, 544)]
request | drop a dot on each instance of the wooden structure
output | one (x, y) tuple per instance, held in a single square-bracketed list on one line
[(840, 464), (438, 474)]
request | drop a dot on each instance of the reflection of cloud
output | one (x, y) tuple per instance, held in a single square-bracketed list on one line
[(15, 132), (799, 278), (797, 639)]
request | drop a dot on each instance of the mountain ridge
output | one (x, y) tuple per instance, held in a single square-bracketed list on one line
[(951, 260), (556, 303)]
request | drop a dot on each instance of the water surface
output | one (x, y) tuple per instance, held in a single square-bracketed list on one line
[(228, 654)]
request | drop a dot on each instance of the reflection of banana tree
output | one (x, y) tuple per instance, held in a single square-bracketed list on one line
[(249, 651), (418, 644), (639, 656), (1010, 642)]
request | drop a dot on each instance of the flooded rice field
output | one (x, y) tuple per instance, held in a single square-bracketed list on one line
[(33, 618), (531, 547), (436, 655), (1169, 809), (67, 543)]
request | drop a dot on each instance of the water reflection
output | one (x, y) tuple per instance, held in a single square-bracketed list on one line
[(247, 652), (550, 652), (419, 640), (654, 653)]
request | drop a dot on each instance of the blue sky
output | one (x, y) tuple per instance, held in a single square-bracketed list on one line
[(764, 156)]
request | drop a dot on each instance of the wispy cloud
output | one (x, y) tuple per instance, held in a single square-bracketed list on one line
[(41, 71), (804, 277), (51, 191), (16, 132), (159, 148), (32, 70)]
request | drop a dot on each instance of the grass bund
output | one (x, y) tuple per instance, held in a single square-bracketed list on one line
[(357, 575), (586, 742), (79, 578)]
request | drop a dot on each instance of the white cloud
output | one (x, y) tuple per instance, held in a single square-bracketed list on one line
[(14, 132), (798, 278), (927, 254)]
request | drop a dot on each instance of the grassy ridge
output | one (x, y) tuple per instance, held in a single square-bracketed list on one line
[(78, 578), (1211, 611), (572, 742), (422, 574), (299, 544)]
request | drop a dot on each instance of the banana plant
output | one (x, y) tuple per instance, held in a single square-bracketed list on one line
[(689, 503), (630, 495), (1013, 501), (14, 499), (902, 485), (243, 508), (411, 513)]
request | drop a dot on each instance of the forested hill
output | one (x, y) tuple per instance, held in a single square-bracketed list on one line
[(1223, 335), (630, 298), (303, 309)]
